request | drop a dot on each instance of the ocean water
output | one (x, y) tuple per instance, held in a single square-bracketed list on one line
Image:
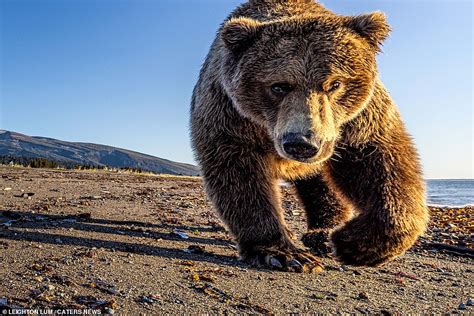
[(450, 192)]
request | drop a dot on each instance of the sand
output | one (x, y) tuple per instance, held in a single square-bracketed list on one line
[(126, 243)]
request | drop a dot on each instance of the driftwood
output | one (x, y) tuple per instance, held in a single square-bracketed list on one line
[(452, 249)]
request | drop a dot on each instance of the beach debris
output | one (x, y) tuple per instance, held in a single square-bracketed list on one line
[(59, 279), (149, 298), (318, 296), (246, 304), (207, 278), (181, 233), (43, 293), (7, 189), (450, 226), (195, 277), (25, 195), (453, 249), (107, 287), (402, 274), (187, 263), (91, 197), (469, 302), (41, 268), (95, 303), (363, 296), (102, 286), (86, 252), (462, 306), (196, 249), (212, 291)]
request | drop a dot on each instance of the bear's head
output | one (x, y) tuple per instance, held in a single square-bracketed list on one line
[(302, 78)]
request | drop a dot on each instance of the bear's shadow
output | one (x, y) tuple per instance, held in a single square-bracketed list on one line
[(18, 225)]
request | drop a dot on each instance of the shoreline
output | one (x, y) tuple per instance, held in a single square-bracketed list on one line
[(450, 206)]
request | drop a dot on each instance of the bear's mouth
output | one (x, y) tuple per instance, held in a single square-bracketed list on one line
[(305, 151)]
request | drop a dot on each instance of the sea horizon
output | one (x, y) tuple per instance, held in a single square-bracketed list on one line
[(450, 192)]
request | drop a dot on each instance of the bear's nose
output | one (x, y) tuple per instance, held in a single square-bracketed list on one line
[(299, 146)]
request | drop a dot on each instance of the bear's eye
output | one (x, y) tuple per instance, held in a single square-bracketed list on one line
[(334, 86), (281, 88)]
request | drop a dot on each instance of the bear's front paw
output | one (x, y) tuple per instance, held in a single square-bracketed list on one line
[(283, 259), (317, 241), (357, 244)]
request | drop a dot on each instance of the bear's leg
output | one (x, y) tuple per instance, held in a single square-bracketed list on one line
[(247, 199), (385, 186), (324, 211)]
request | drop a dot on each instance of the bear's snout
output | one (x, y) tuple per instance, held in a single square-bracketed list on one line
[(299, 146)]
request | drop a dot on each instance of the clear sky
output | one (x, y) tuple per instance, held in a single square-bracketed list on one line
[(121, 73)]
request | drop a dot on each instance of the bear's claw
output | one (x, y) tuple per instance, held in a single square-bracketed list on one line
[(291, 260)]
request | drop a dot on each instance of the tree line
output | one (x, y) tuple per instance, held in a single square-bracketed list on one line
[(35, 162)]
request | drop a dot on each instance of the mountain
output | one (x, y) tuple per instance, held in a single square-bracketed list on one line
[(19, 145)]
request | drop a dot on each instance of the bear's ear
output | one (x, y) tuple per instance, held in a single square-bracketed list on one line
[(372, 26), (239, 33)]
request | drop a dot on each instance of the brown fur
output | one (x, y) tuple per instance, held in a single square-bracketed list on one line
[(366, 161)]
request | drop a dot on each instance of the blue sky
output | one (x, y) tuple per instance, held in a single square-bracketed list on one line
[(122, 72)]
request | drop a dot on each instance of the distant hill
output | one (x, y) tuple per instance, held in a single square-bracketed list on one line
[(19, 145)]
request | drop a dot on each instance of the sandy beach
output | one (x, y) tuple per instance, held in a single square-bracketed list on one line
[(127, 243)]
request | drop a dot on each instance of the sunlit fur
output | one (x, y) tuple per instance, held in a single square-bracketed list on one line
[(366, 164)]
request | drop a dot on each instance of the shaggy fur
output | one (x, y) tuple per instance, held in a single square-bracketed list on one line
[(365, 163)]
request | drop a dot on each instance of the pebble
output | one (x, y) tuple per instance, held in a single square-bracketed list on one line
[(196, 249), (26, 195), (363, 296), (181, 233), (146, 299)]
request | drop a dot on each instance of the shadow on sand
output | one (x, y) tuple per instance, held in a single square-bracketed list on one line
[(17, 225)]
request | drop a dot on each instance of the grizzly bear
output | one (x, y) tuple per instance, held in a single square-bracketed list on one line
[(290, 90)]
